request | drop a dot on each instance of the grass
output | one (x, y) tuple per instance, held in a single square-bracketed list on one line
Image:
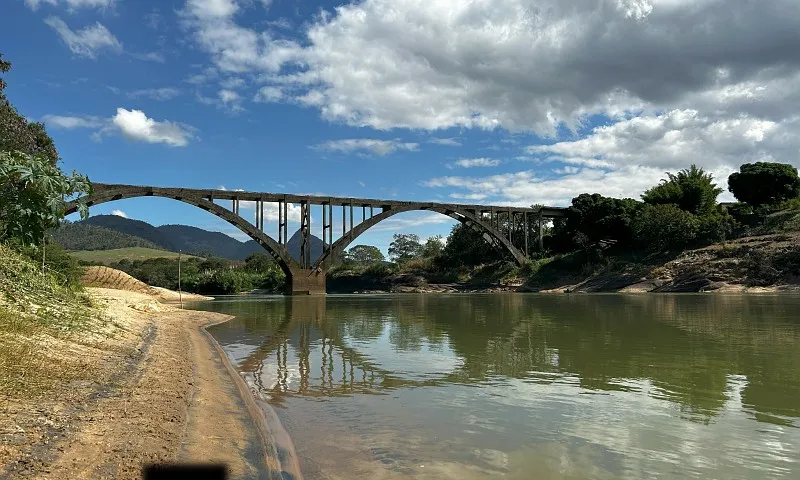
[(107, 257), (37, 312)]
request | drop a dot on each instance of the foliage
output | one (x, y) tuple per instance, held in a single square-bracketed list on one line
[(466, 246), (404, 247), (764, 183), (364, 255), (665, 227), (433, 247), (33, 196), (83, 236), (592, 218), (16, 133), (692, 190), (106, 257), (260, 262), (212, 276), (55, 260)]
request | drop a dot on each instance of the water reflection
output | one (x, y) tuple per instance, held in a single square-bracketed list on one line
[(688, 347), (601, 386)]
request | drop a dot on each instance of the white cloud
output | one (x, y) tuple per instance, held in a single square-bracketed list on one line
[(162, 93), (530, 64), (405, 221), (87, 42), (451, 142), (119, 213), (362, 184), (135, 125), (68, 123), (269, 94), (72, 4), (373, 146), (157, 57), (474, 162)]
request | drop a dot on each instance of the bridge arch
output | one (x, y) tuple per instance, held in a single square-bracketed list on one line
[(465, 217), (278, 252)]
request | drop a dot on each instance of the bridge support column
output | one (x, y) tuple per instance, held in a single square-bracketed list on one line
[(305, 282)]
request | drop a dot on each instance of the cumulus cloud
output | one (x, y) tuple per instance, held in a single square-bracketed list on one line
[(72, 4), (474, 162), (86, 42), (269, 95), (135, 125), (119, 213), (369, 145)]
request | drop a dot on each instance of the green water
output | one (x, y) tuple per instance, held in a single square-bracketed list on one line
[(527, 386)]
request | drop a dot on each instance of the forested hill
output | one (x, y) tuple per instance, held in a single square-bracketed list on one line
[(105, 232), (83, 236)]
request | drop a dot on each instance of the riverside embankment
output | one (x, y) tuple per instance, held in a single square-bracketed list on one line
[(150, 386)]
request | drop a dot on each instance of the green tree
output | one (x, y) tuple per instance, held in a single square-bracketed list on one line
[(404, 247), (592, 218), (665, 227), (33, 195), (16, 133), (691, 189), (364, 255), (433, 247), (468, 247), (764, 183), (259, 262)]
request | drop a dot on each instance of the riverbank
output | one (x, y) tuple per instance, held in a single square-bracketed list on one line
[(757, 264), (156, 390)]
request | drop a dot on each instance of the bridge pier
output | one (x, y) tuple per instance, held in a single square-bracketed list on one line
[(305, 282)]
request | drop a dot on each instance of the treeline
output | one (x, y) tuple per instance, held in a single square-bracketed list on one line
[(81, 236), (208, 276), (680, 212)]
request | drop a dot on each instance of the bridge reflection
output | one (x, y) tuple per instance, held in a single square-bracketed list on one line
[(698, 352)]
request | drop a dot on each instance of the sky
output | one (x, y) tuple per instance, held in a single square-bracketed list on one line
[(506, 102)]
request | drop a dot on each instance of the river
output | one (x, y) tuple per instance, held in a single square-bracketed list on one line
[(524, 386)]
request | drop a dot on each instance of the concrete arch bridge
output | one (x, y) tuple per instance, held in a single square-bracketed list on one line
[(504, 227)]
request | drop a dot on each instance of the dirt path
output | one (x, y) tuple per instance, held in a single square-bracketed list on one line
[(170, 398)]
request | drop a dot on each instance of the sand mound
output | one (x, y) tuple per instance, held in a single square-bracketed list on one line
[(105, 277)]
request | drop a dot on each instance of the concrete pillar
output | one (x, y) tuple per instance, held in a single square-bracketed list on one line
[(305, 282)]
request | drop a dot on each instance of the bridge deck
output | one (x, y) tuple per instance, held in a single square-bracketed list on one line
[(213, 194)]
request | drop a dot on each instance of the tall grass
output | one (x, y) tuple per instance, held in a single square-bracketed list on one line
[(37, 306)]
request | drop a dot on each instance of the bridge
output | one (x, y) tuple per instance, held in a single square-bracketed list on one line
[(507, 228)]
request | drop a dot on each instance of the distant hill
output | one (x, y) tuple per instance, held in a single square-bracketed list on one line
[(83, 236), (136, 228), (115, 255), (188, 239)]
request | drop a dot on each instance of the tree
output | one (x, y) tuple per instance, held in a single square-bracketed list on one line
[(592, 218), (259, 262), (405, 247), (16, 133), (665, 227), (33, 193), (364, 255), (692, 190), (433, 247), (764, 183), (466, 246)]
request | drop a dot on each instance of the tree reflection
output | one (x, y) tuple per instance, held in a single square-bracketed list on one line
[(686, 348)]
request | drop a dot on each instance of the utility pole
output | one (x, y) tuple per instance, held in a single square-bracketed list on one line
[(180, 295)]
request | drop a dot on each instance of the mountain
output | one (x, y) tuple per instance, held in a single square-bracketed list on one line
[(188, 239), (136, 228), (83, 236)]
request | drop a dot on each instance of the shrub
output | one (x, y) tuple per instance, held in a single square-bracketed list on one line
[(665, 227)]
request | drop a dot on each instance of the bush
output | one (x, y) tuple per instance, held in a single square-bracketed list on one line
[(716, 227), (57, 262), (378, 270), (665, 227)]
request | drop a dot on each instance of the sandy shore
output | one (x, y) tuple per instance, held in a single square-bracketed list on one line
[(161, 392)]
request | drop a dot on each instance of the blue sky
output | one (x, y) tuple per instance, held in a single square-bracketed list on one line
[(503, 101)]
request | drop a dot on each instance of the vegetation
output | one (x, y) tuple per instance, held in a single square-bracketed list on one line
[(364, 255), (763, 183), (83, 236), (210, 276), (107, 257), (39, 303)]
